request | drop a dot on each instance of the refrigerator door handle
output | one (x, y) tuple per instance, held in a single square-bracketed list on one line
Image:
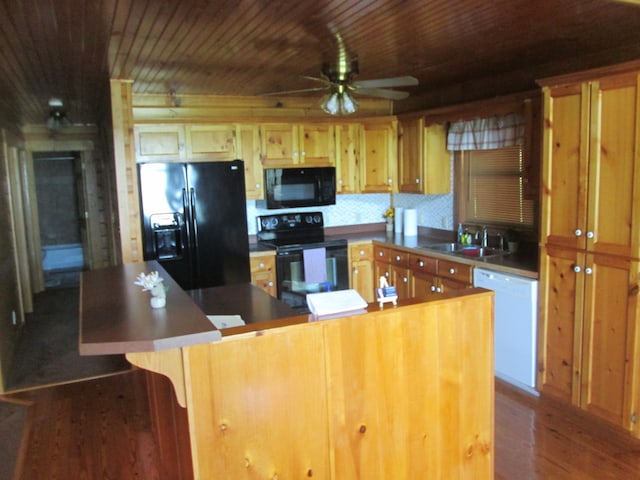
[(194, 232), (187, 215)]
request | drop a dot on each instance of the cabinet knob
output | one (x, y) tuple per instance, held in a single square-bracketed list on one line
[(417, 180), (386, 274), (389, 181), (433, 288), (578, 232), (380, 254), (452, 271), (590, 235), (577, 269), (340, 182), (303, 153), (270, 284), (397, 258), (258, 186), (588, 271), (439, 290), (262, 265), (355, 271), (405, 279), (361, 252), (421, 263)]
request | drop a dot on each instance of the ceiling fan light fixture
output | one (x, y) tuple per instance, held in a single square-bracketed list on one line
[(338, 102), (331, 103), (347, 104)]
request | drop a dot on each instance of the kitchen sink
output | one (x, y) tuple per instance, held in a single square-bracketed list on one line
[(480, 252), (449, 247), (473, 251)]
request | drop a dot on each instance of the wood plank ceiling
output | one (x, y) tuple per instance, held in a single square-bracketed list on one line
[(459, 50)]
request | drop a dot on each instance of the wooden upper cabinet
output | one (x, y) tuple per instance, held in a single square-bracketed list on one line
[(159, 143), (317, 144), (378, 157), (249, 150), (437, 160), (410, 155), (287, 145), (279, 145), (424, 163), (590, 176), (211, 142), (347, 157)]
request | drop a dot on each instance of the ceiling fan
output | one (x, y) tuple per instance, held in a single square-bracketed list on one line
[(338, 80)]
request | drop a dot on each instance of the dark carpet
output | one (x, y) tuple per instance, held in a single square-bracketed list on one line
[(48, 349)]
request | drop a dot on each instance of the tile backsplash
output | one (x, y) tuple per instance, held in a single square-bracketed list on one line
[(434, 211)]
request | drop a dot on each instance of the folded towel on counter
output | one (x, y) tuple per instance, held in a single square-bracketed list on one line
[(226, 321), (315, 265)]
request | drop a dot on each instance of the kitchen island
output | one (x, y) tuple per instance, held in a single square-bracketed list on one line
[(402, 392)]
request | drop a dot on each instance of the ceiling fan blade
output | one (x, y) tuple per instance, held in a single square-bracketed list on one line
[(382, 93), (289, 92), (406, 81), (317, 79)]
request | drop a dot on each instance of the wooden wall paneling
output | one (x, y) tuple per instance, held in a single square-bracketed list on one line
[(19, 233), (32, 224), (125, 172)]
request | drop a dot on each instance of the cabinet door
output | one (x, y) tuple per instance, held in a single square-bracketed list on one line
[(279, 145), (317, 144), (560, 328), (401, 279), (211, 142), (609, 356), (361, 260), (437, 160), (347, 156), (249, 151), (263, 273), (425, 285), (379, 153), (159, 143), (613, 172), (566, 136), (410, 155)]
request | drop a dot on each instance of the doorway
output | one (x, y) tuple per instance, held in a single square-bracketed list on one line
[(58, 180)]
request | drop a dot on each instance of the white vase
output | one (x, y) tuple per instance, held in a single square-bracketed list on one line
[(158, 302)]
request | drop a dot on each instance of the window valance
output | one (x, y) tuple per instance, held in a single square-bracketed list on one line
[(486, 133)]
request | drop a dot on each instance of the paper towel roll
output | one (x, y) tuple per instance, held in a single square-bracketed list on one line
[(398, 218), (410, 222)]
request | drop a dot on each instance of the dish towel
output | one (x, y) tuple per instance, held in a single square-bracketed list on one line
[(315, 265)]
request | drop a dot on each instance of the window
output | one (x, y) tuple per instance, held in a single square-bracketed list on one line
[(491, 185)]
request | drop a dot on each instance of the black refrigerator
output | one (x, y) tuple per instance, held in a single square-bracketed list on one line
[(194, 221)]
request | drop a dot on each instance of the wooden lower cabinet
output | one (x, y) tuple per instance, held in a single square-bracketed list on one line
[(434, 276), (393, 264), (361, 273), (588, 348), (263, 272)]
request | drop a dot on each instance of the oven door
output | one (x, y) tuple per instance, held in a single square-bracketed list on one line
[(303, 269)]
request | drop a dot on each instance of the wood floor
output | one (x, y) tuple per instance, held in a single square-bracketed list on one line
[(100, 429)]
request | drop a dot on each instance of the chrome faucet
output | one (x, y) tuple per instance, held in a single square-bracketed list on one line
[(485, 237)]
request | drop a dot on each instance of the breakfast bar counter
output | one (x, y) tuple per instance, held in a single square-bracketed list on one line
[(403, 391)]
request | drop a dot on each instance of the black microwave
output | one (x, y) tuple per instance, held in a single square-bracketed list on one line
[(298, 187)]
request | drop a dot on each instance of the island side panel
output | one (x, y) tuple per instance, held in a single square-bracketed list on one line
[(257, 405), (411, 392)]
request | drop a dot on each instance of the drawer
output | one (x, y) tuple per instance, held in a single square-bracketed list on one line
[(398, 258), (363, 251), (263, 264), (456, 271), (423, 263), (381, 254)]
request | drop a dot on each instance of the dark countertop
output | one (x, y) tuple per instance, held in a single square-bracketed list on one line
[(116, 317), (523, 263)]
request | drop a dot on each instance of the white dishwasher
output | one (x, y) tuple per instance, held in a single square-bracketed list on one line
[(515, 329)]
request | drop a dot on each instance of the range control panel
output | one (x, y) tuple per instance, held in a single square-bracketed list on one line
[(284, 222)]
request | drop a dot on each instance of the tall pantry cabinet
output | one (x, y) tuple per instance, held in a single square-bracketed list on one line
[(589, 349)]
